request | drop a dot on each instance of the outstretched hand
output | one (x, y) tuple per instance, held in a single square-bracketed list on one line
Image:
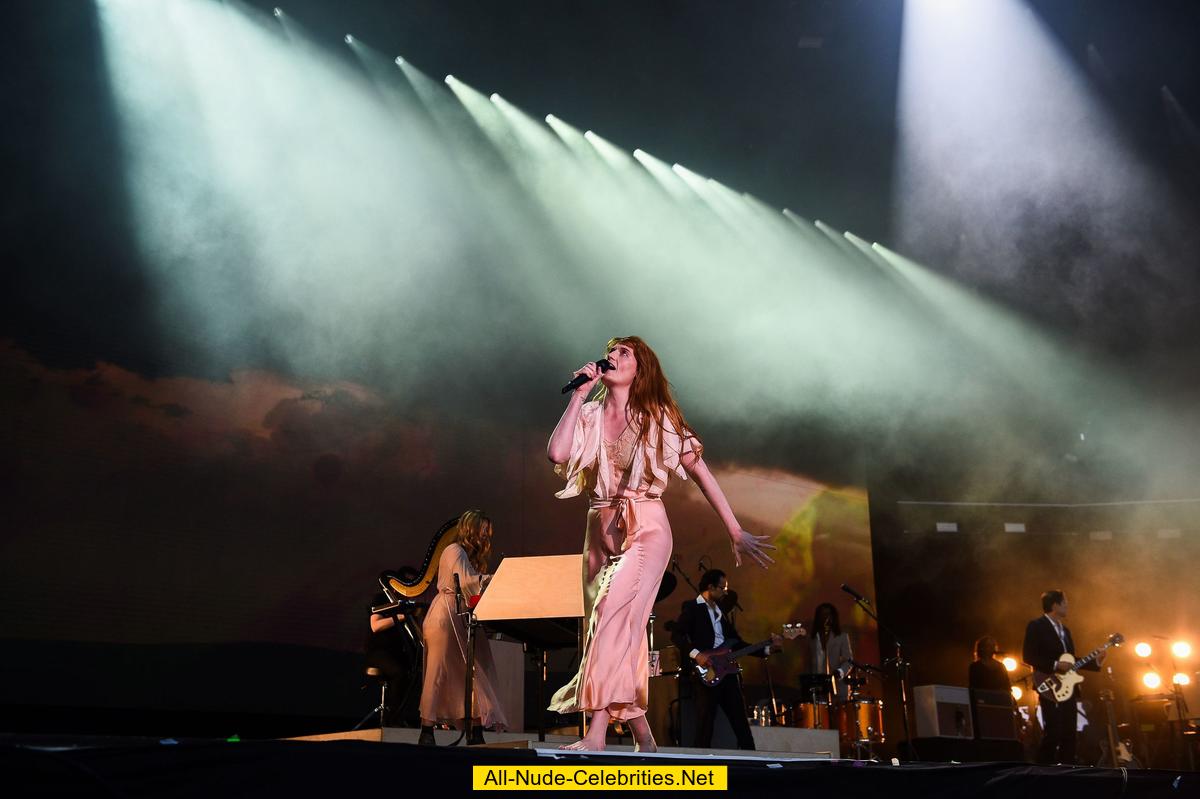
[(755, 546)]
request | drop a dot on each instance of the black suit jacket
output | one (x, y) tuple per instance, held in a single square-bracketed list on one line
[(1042, 647), (694, 630)]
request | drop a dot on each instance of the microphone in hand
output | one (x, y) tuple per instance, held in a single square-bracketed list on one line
[(603, 365)]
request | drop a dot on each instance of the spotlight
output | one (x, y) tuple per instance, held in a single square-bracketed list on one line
[(1151, 680), (1017, 693), (1142, 650), (587, 134), (450, 79), (278, 11), (1181, 679), (399, 61), (1181, 649), (551, 119), (639, 153), (1010, 664), (349, 39)]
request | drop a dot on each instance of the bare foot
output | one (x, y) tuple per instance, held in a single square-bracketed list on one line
[(584, 745), (642, 737)]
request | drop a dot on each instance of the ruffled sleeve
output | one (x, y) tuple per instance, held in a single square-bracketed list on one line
[(585, 450), (666, 450)]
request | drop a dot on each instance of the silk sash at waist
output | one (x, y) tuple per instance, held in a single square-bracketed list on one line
[(627, 515)]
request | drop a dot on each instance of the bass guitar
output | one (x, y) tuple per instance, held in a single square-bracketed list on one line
[(1060, 686), (723, 662)]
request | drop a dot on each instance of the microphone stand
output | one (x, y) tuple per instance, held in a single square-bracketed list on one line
[(683, 574), (468, 615), (901, 669)]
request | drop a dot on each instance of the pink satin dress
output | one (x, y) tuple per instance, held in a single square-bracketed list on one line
[(627, 546)]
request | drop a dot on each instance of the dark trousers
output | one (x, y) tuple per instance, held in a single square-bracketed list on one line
[(1058, 732), (728, 696)]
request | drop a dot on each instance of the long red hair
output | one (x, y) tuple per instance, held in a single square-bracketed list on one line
[(650, 396)]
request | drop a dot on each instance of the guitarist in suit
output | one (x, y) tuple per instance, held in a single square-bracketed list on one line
[(703, 626), (1046, 639)]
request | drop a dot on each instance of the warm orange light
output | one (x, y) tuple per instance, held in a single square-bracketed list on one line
[(1142, 649), (1181, 679), (1017, 692), (1011, 665), (1181, 649), (1151, 680)]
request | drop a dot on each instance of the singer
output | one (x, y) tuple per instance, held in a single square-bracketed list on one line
[(619, 449)]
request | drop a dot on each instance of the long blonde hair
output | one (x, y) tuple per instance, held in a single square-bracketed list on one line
[(650, 396), (475, 536)]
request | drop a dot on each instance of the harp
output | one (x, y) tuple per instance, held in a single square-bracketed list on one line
[(409, 586)]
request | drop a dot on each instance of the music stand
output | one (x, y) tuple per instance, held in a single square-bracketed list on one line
[(539, 602)]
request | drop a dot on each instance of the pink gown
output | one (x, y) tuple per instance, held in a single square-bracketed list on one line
[(443, 690), (626, 549)]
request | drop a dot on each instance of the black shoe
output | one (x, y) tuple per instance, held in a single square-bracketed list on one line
[(476, 737), (427, 738)]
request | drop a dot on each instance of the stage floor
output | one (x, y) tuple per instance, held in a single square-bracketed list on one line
[(45, 766)]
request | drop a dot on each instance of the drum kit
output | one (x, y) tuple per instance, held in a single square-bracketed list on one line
[(858, 719)]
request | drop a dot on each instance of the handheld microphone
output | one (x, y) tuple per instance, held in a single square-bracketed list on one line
[(603, 365), (855, 594)]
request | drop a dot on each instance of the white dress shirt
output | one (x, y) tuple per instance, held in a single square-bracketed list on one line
[(714, 614)]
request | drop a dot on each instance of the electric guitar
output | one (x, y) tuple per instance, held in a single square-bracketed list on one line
[(723, 662), (1060, 686), (1116, 753)]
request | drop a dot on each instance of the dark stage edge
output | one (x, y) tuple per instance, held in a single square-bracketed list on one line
[(140, 767)]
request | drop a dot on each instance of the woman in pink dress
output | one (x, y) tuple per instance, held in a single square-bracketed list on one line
[(444, 688), (619, 449)]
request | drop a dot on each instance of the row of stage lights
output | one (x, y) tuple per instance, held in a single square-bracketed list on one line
[(450, 79), (1151, 679)]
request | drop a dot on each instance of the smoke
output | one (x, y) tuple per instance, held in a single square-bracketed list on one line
[(339, 218), (1012, 175)]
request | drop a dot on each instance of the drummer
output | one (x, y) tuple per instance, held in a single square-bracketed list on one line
[(830, 648)]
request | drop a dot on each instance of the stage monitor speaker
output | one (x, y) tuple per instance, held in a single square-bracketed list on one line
[(994, 716), (943, 711)]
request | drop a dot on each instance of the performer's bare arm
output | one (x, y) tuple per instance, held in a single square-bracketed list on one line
[(743, 543), (558, 450)]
